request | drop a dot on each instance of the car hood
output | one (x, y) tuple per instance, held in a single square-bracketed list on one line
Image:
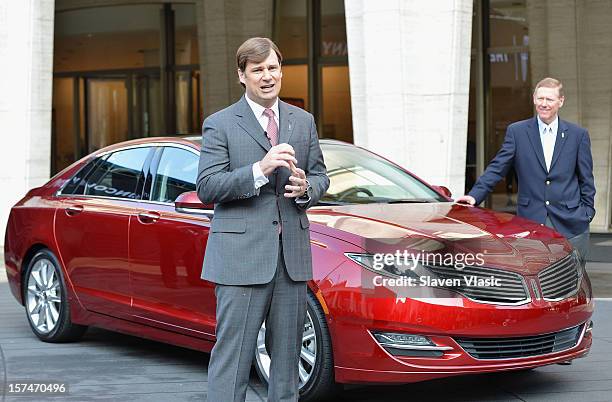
[(503, 240)]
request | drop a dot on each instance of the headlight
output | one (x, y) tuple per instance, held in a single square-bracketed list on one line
[(376, 264), (402, 340)]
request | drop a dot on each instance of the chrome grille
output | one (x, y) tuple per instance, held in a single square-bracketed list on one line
[(512, 348), (511, 289), (561, 279)]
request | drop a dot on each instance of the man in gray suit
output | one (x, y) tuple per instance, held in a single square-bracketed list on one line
[(262, 167)]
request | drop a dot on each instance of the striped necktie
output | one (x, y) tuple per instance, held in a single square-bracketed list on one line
[(272, 131)]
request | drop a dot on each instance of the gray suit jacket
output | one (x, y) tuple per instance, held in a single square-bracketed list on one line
[(242, 247)]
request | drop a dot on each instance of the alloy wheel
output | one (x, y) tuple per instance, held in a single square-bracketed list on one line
[(43, 300), (308, 354)]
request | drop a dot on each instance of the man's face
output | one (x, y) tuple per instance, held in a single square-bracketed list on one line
[(547, 103), (262, 80)]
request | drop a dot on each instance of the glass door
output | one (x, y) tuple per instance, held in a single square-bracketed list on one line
[(146, 104), (510, 87), (107, 111)]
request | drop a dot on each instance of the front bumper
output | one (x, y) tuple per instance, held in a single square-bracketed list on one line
[(359, 358)]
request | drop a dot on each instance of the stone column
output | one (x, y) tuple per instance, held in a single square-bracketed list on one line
[(222, 27), (409, 65), (26, 51)]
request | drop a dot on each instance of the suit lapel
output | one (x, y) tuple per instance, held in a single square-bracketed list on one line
[(533, 133), (287, 124), (249, 123), (286, 119), (559, 142)]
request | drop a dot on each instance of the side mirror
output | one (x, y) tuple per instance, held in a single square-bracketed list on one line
[(190, 200), (444, 191)]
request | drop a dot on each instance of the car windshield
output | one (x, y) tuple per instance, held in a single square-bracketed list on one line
[(361, 177)]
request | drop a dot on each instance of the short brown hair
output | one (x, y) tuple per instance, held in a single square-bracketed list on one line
[(255, 50), (549, 82)]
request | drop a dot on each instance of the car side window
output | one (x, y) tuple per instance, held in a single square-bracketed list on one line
[(76, 185), (118, 175), (176, 173)]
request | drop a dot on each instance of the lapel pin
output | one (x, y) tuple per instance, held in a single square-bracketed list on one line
[(563, 135)]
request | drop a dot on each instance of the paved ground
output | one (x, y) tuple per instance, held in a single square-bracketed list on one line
[(111, 367), (599, 266)]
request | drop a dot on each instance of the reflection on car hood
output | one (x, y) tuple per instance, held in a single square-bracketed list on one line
[(505, 240)]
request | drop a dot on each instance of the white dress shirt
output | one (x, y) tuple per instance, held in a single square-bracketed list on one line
[(548, 137), (258, 111)]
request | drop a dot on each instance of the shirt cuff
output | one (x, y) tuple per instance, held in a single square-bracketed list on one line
[(258, 177), (302, 201)]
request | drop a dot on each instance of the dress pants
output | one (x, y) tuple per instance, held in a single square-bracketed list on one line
[(581, 242), (240, 312)]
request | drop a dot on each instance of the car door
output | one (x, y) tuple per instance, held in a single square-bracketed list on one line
[(91, 229), (167, 250)]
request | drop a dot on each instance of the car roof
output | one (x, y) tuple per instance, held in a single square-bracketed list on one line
[(148, 141), (192, 141), (197, 138)]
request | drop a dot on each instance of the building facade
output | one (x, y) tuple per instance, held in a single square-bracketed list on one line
[(431, 85)]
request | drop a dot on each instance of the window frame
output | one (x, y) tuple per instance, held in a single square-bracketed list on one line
[(314, 60)]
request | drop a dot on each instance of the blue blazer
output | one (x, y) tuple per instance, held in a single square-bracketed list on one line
[(566, 193)]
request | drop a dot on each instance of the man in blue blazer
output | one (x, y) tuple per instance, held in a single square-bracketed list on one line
[(554, 166)]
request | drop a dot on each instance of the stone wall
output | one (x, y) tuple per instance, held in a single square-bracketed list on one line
[(26, 49)]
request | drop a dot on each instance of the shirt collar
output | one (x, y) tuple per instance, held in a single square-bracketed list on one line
[(258, 109), (553, 126)]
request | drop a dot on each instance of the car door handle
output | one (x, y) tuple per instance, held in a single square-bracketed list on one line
[(74, 210), (148, 217)]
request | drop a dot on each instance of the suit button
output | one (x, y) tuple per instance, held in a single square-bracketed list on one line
[(547, 202), (548, 182), (275, 222)]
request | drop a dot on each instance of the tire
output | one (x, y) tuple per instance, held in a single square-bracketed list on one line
[(46, 301), (319, 381)]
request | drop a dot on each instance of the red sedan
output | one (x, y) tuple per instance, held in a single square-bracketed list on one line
[(117, 241)]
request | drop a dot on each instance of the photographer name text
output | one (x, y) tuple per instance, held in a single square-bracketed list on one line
[(466, 280)]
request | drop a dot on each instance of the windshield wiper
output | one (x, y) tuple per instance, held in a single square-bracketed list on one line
[(410, 201), (330, 203)]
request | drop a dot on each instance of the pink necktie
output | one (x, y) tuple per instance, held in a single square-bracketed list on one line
[(272, 130), (272, 133)]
